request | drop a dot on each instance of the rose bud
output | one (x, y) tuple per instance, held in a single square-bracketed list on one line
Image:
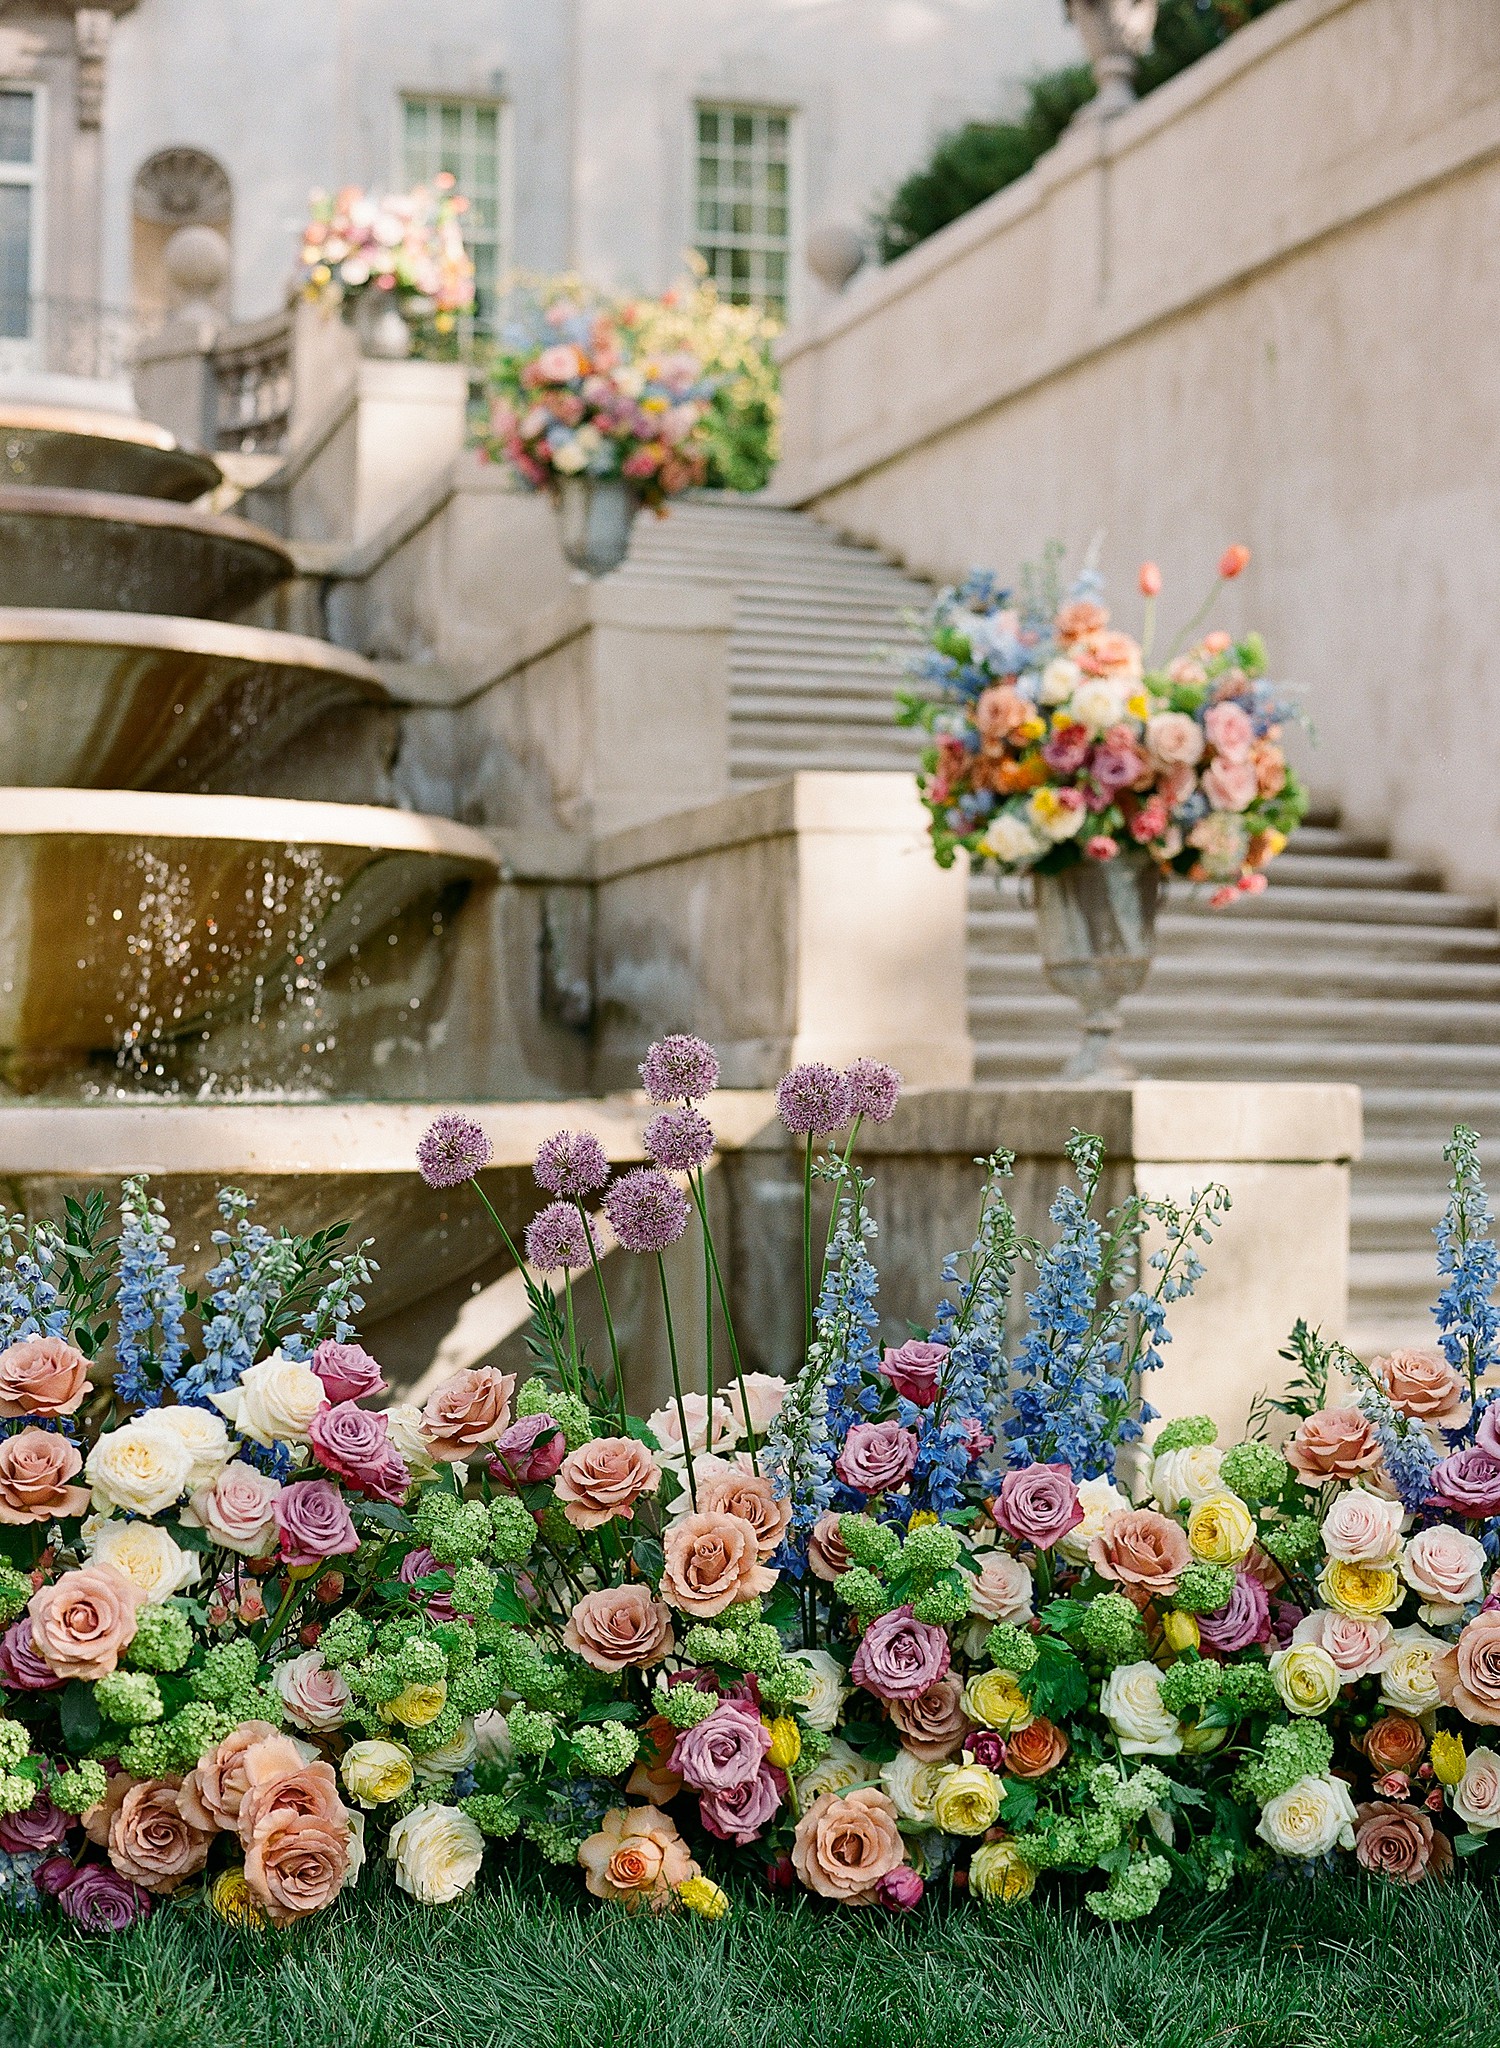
[(1234, 561), (308, 1634), (1150, 580), (329, 1588)]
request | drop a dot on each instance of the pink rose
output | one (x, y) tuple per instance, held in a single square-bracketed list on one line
[(899, 1657), (20, 1666), (1446, 1568), (1230, 731), (727, 1749), (827, 1559), (42, 1376), (1230, 785), (354, 1443), (1356, 1647), (1038, 1504), (239, 1509), (877, 1457), (1333, 1443), (1001, 1590), (915, 1370), (1067, 749), (1174, 739), (1423, 1385), (313, 1694), (1363, 1528), (347, 1371), (1117, 762), (741, 1812), (530, 1450), (313, 1522), (81, 1624)]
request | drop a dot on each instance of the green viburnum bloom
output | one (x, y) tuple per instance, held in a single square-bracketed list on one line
[(705, 1643), (16, 1793), (477, 1689), (1189, 1686), (346, 1638), (15, 1591), (783, 1684), (1254, 1471), (438, 1733), (1013, 1649), (462, 1535), (421, 1662), (129, 1698), (683, 1705), (76, 1790), (163, 1639), (1301, 1749), (531, 1732), (1186, 1430), (569, 1413), (1297, 1540), (1132, 1892), (1204, 1588), (1111, 1628), (860, 1590), (491, 1814), (815, 1746), (942, 1604), (869, 1543), (514, 1531), (227, 1669), (14, 1744), (760, 1648), (162, 1748), (1248, 1689), (474, 1587), (932, 1548), (605, 1748), (557, 1844)]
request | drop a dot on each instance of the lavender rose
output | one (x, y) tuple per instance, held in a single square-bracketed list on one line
[(724, 1751), (1468, 1483), (915, 1370), (21, 1665), (742, 1811), (355, 1445), (1038, 1504), (347, 1371), (900, 1657), (421, 1564), (877, 1457), (313, 1522), (1244, 1618), (40, 1826), (530, 1450), (100, 1901)]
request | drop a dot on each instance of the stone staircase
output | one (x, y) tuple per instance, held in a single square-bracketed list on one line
[(1353, 966)]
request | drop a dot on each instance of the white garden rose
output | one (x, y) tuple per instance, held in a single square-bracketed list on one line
[(140, 1469), (1010, 839), (437, 1852), (492, 1736), (439, 1767), (1098, 1498), (142, 1553), (1191, 1474), (839, 1771), (912, 1786), (275, 1401), (1476, 1798), (207, 1439), (1131, 1703), (1406, 1680), (1060, 678), (403, 1425), (1311, 1818), (821, 1707), (1100, 702)]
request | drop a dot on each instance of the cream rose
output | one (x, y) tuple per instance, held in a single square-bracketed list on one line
[(1306, 1677), (439, 1767), (275, 1401), (821, 1706), (1311, 1818), (1099, 1499), (437, 1852), (1445, 1567), (375, 1771), (1406, 1680), (403, 1425), (912, 1787), (1476, 1797), (1363, 1527), (1060, 678), (238, 1509), (1099, 703), (1002, 1589), (839, 1771), (1221, 1529), (140, 1469), (143, 1553), (313, 1695), (1190, 1474), (206, 1437), (1131, 1703)]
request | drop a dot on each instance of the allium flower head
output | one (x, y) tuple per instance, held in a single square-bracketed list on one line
[(647, 1211), (571, 1163), (873, 1090), (452, 1151), (555, 1237), (680, 1068), (679, 1139), (813, 1099)]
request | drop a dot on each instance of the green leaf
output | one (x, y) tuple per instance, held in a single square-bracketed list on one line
[(1064, 1615), (611, 1710), (643, 1435), (648, 1557), (1469, 1845), (508, 1605), (191, 1538), (1057, 1683), (386, 1516), (80, 1718), (1018, 1807)]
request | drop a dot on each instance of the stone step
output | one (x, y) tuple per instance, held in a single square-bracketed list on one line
[(1205, 1016), (1265, 974), (1400, 1112), (1461, 1067), (1191, 927), (1396, 1218), (851, 707)]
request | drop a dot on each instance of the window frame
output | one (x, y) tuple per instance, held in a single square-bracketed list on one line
[(20, 350), (433, 97), (698, 240)]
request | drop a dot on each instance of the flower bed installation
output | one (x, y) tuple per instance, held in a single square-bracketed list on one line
[(1057, 737), (928, 1617)]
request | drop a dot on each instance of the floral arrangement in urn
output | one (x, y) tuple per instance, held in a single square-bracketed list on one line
[(408, 244), (1059, 738)]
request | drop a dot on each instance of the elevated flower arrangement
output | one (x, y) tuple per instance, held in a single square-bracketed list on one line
[(898, 1624), (405, 246)]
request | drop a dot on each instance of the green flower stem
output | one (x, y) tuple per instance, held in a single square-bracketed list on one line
[(510, 1243), (609, 1321), (687, 1450), (696, 1189), (573, 1358), (807, 1279)]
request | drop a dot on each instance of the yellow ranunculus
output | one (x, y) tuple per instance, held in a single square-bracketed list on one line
[(232, 1899), (1180, 1630), (417, 1706), (702, 1896), (968, 1800), (1360, 1590), (1030, 729), (786, 1742), (923, 1518), (1448, 1759), (374, 1772), (1306, 1678), (999, 1876), (1221, 1529), (995, 1700)]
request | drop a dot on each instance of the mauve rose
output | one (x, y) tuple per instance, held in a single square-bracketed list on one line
[(1398, 1842), (740, 1812), (1333, 1443), (530, 1450), (1395, 1743), (1422, 1384), (604, 1478), (100, 1901), (900, 1890), (54, 1876), (40, 1826), (725, 1750), (20, 1666), (915, 1370), (1468, 1483), (347, 1371), (313, 1522), (899, 1657), (933, 1725), (1244, 1618), (1067, 749), (1117, 762), (42, 1376), (749, 1496), (827, 1558), (1038, 1504), (877, 1457), (354, 1443), (986, 1746), (421, 1564), (1487, 1436)]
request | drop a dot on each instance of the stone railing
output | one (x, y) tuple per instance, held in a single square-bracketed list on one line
[(252, 371)]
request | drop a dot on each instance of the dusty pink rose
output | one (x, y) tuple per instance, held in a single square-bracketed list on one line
[(1423, 1385), (42, 1376), (1446, 1568), (20, 1666), (1174, 739), (712, 1560), (1231, 785), (727, 1749), (1230, 731), (213, 1790), (619, 1626), (899, 1657), (81, 1624), (741, 1813), (933, 1725), (1467, 1673), (826, 1556), (354, 1443), (279, 1779), (1002, 1588), (1363, 1527), (750, 1497), (239, 1509), (1334, 1443), (605, 1478), (347, 1371), (297, 1863), (313, 1522), (877, 1457), (1117, 763), (152, 1840), (314, 1696), (1140, 1548), (1038, 1504), (530, 1450), (915, 1370), (1357, 1647), (1399, 1843), (846, 1843), (469, 1410), (998, 711), (36, 1468)]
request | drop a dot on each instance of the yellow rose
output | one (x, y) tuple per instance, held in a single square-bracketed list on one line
[(1180, 1630), (1448, 1759), (417, 1706), (999, 1876), (995, 1700), (232, 1899), (968, 1800), (786, 1742), (1221, 1530), (1306, 1678), (1360, 1590), (374, 1772), (702, 1896)]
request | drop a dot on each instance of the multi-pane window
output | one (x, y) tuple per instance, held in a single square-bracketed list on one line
[(461, 137), (18, 197), (743, 221)]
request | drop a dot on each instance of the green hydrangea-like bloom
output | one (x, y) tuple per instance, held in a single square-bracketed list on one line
[(77, 1789), (421, 1662), (14, 1744), (227, 1668), (1189, 1686), (1011, 1648), (129, 1698), (457, 1640), (15, 1591), (932, 1548), (16, 1793), (815, 1745), (378, 1679), (860, 1590), (684, 1705), (1112, 1628), (1253, 1471), (463, 1535), (474, 1587), (478, 1688), (605, 1748), (346, 1638), (437, 1734), (1204, 1588), (514, 1531), (942, 1605), (397, 1629), (783, 1684), (869, 1543), (1132, 1892), (163, 1639), (707, 1644), (1131, 1797), (1301, 1749), (1248, 1689), (760, 1648), (491, 1814), (567, 1411), (531, 1732), (165, 1747), (1187, 1429), (557, 1844), (1290, 1544)]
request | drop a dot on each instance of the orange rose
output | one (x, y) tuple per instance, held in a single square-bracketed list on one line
[(1467, 1674), (653, 1777), (469, 1409), (1035, 1749), (1334, 1443), (934, 1724), (296, 1863), (42, 1376), (712, 1561), (213, 1791), (637, 1858), (1423, 1385), (605, 1478), (35, 1467), (1136, 1547), (151, 1839), (1078, 617), (845, 1843), (749, 1497), (80, 1625)]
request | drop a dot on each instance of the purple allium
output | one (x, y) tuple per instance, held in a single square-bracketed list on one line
[(680, 1068), (873, 1090), (646, 1210), (679, 1139), (556, 1237), (813, 1099), (452, 1151), (571, 1163)]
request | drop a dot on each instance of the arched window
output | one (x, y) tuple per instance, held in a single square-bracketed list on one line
[(176, 188)]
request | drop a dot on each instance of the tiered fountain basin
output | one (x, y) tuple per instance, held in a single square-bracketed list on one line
[(132, 921), (98, 550), (126, 700), (95, 451)]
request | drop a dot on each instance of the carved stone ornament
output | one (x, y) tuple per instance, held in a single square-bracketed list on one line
[(179, 187), (92, 27)]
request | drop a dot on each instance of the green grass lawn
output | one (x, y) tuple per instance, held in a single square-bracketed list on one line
[(1327, 1965)]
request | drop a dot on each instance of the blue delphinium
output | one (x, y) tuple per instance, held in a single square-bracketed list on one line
[(150, 1346), (252, 1273), (1469, 1267), (31, 1305)]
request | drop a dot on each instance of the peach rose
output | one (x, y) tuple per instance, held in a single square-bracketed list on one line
[(934, 1724), (96, 1822), (1333, 1443), (620, 1625), (1395, 1742), (604, 1478), (1467, 1673), (846, 1842), (469, 1409), (1034, 1750), (297, 1863), (712, 1561), (80, 1625), (212, 1792), (151, 1839), (1078, 616), (238, 1509), (278, 1780), (1423, 1385), (749, 1497), (42, 1376), (35, 1468), (1138, 1547), (826, 1556), (653, 1777), (1400, 1843), (637, 1858)]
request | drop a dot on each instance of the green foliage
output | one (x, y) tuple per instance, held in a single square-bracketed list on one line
[(1182, 1433)]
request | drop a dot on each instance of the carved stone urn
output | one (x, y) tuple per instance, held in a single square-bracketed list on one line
[(1115, 33)]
